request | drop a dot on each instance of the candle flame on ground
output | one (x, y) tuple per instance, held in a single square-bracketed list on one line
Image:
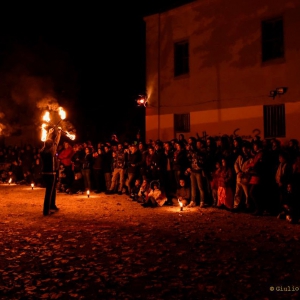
[(180, 203)]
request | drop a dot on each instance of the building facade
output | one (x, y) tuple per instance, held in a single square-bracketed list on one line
[(218, 67)]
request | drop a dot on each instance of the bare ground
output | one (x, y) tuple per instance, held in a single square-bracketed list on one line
[(109, 247)]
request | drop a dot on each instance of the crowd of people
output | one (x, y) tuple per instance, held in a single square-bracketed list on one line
[(258, 176)]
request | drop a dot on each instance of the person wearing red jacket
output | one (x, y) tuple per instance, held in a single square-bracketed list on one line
[(65, 158)]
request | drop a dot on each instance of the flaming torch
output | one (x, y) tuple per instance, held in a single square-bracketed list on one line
[(46, 117), (180, 204), (62, 113), (69, 135), (44, 133), (32, 185), (88, 193)]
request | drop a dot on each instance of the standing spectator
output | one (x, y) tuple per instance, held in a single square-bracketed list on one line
[(133, 167), (107, 166), (242, 178), (196, 171), (98, 173), (143, 154), (170, 185), (256, 169), (65, 157), (225, 192), (87, 165), (180, 162), (119, 165), (214, 183), (282, 177), (49, 170)]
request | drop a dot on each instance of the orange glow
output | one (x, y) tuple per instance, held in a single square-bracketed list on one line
[(9, 181), (180, 204), (88, 193), (32, 186), (44, 133), (70, 136), (62, 113), (46, 116)]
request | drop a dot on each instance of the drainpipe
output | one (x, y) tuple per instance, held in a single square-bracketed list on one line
[(158, 79)]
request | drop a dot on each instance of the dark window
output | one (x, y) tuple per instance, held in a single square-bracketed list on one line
[(272, 39), (181, 58), (274, 121), (182, 122)]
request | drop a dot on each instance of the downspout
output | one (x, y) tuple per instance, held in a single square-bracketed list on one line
[(158, 79)]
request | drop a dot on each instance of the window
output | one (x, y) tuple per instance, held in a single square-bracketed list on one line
[(181, 58), (274, 121), (182, 122), (272, 39)]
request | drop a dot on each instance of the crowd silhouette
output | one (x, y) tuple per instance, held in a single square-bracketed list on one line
[(261, 177)]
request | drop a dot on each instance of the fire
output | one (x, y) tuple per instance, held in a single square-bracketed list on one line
[(44, 133), (62, 113), (46, 116), (32, 186), (88, 193), (70, 136), (180, 204), (10, 180)]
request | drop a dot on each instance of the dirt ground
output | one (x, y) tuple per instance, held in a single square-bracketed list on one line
[(109, 247)]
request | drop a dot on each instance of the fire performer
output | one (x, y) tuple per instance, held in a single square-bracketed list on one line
[(49, 170)]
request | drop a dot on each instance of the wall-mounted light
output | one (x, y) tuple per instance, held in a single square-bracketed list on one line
[(278, 91), (142, 100)]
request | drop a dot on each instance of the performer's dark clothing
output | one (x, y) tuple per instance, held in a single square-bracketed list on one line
[(49, 169)]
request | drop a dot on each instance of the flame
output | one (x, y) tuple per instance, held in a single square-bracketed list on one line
[(32, 185), (9, 181), (88, 193), (180, 203), (46, 116), (62, 113), (44, 133), (70, 136)]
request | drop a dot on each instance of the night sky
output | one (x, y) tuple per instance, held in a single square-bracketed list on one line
[(87, 57)]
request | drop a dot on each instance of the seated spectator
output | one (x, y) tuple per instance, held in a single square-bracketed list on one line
[(155, 196), (135, 190), (290, 206), (143, 192), (183, 194)]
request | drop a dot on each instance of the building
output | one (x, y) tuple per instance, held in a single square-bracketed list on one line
[(218, 67)]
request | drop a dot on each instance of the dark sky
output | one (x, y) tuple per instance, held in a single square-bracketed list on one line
[(88, 58)]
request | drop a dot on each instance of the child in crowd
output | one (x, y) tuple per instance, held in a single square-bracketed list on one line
[(290, 206), (155, 196), (183, 194), (134, 194), (143, 192)]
